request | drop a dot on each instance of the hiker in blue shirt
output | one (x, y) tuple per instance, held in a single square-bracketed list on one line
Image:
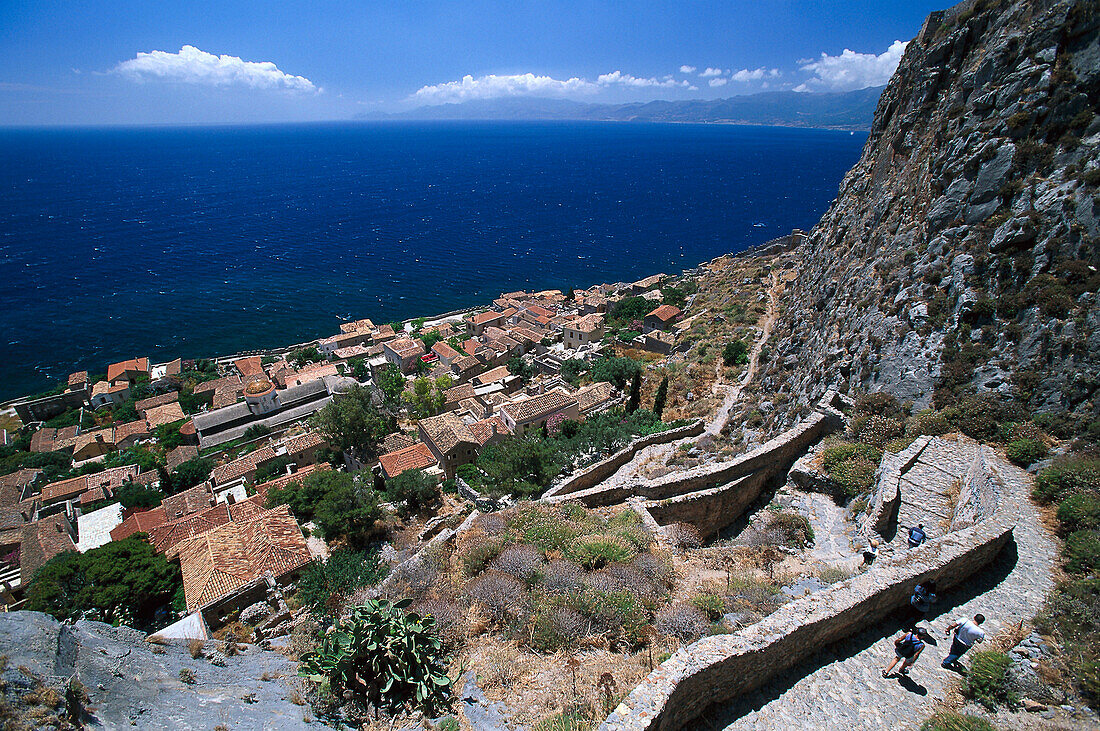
[(917, 535), (907, 648), (920, 603)]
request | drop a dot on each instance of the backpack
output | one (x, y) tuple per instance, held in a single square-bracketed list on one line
[(916, 536), (907, 645)]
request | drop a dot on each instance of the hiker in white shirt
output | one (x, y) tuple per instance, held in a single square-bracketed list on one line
[(967, 632)]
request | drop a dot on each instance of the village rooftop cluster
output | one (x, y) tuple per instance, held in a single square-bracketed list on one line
[(231, 549)]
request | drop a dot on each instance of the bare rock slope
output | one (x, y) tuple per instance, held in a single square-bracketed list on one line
[(961, 253)]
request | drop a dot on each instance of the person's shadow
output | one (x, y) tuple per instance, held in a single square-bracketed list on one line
[(911, 685)]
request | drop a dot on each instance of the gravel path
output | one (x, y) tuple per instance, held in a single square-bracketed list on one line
[(842, 688)]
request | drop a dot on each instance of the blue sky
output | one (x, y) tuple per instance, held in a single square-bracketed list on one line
[(169, 61)]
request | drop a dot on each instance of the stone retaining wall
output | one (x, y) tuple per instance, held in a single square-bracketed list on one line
[(718, 668), (887, 491), (979, 496), (710, 510), (769, 458), (597, 473)]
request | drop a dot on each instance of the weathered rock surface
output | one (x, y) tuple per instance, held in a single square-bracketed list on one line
[(961, 251), (134, 684)]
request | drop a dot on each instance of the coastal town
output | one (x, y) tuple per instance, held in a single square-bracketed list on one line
[(185, 455)]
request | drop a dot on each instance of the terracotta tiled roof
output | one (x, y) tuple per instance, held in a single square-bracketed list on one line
[(457, 393), (466, 363), (63, 490), (226, 396), (248, 367), (154, 401), (146, 478), (385, 332), (242, 466), (42, 540), (356, 326), (174, 367), (311, 372), (416, 457), (163, 537), (214, 385), (491, 376), (446, 431), (593, 395), (192, 500), (443, 350), (188, 428), (134, 365), (48, 439), (538, 311), (165, 414), (13, 484), (665, 313), (284, 480), (405, 347), (395, 441), (131, 430), (222, 560), (483, 430), (179, 455), (538, 406), (91, 496), (484, 317), (141, 522), (297, 444), (78, 379), (103, 437), (586, 324), (119, 387), (508, 312)]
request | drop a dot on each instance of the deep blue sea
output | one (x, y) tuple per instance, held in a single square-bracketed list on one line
[(199, 241)]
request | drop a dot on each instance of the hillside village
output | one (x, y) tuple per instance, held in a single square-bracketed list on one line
[(209, 439), (683, 502)]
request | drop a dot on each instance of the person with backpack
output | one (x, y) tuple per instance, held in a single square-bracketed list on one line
[(920, 603), (917, 535), (907, 648), (966, 634)]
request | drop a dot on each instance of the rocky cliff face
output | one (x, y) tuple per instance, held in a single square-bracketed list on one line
[(961, 253)]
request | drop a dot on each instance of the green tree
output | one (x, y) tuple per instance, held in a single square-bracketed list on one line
[(635, 393), (616, 370), (427, 396), (301, 356), (359, 369), (392, 384), (341, 505), (133, 495), (415, 491), (572, 369), (192, 472), (736, 352), (661, 397), (122, 582), (673, 296), (430, 339), (344, 571), (517, 366), (139, 456), (351, 421), (255, 432), (272, 469), (629, 309)]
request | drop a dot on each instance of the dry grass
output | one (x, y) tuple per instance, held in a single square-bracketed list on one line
[(195, 647)]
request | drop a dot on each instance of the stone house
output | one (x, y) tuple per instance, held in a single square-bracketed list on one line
[(533, 412), (403, 353), (661, 318), (450, 441), (584, 330)]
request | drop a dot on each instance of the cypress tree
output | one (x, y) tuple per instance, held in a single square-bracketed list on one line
[(635, 393), (659, 399)]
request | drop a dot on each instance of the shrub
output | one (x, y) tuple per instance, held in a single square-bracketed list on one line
[(556, 628), (657, 568), (749, 593), (187, 675), (712, 605), (1080, 511), (501, 596), (479, 554), (682, 621), (450, 619), (1082, 551), (414, 491), (1024, 452), (562, 577), (794, 526), (594, 551), (1067, 476), (194, 647), (343, 572), (928, 422), (951, 721), (1072, 613), (684, 535), (735, 353), (524, 562), (987, 680), (391, 659)]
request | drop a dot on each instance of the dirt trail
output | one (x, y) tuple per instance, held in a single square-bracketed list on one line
[(659, 453)]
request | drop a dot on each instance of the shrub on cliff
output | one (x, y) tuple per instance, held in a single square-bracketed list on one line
[(1066, 476), (851, 466), (1080, 511), (952, 721), (1025, 452), (987, 680), (1082, 551)]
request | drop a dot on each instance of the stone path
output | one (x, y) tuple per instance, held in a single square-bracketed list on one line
[(842, 687), (833, 532), (659, 453)]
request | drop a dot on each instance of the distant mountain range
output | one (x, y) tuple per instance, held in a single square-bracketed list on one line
[(852, 110)]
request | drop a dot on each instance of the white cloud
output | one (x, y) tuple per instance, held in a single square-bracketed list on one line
[(194, 66), (618, 78), (719, 82), (685, 69), (851, 70), (710, 71), (754, 74), (495, 87)]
